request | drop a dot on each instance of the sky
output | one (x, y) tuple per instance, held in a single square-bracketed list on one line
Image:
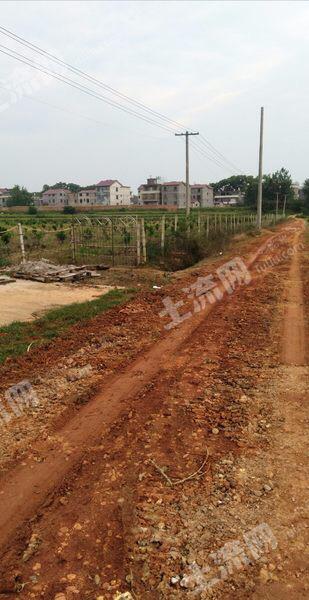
[(210, 66)]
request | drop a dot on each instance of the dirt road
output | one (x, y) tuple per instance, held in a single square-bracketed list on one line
[(150, 476)]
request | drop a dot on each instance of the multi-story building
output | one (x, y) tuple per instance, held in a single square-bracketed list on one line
[(229, 199), (57, 197), (202, 195), (86, 196), (174, 194), (110, 192), (150, 193), (4, 197), (296, 190)]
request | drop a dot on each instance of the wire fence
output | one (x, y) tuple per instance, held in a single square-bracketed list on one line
[(118, 240)]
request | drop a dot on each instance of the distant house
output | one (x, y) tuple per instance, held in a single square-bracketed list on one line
[(150, 193), (229, 199), (4, 196), (86, 196), (174, 194), (296, 188), (57, 197), (110, 192), (202, 195)]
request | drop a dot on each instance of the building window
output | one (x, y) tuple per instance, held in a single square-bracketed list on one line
[(117, 195)]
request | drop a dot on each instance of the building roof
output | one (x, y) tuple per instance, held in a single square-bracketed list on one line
[(4, 191), (53, 190), (108, 182), (201, 185), (173, 182)]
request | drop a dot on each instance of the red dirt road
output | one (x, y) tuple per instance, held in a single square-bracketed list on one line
[(90, 503)]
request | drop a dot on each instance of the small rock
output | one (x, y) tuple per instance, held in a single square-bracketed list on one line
[(215, 431), (264, 575), (175, 579), (267, 488), (71, 577)]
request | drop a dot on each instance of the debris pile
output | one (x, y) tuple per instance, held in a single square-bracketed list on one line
[(46, 271), (5, 279)]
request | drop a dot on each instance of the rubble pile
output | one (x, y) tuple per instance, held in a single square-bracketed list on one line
[(5, 279), (45, 271)]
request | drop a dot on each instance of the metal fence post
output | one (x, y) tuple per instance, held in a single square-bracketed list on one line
[(144, 240), (138, 242), (73, 243), (21, 241), (113, 244), (163, 234), (199, 223)]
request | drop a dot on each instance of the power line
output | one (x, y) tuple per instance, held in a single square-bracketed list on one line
[(211, 147), (27, 61), (110, 89), (73, 113), (74, 84)]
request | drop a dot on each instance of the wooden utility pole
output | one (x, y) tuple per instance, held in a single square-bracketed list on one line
[(188, 195), (260, 186)]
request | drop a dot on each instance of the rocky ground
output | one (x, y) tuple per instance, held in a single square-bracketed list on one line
[(167, 463)]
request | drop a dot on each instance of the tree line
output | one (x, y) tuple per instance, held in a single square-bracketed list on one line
[(279, 182)]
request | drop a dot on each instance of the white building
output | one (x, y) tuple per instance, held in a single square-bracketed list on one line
[(229, 199), (110, 192), (174, 194), (57, 197), (86, 197), (202, 195), (4, 197)]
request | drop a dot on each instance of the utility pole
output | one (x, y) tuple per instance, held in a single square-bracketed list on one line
[(188, 198), (260, 186), (284, 205)]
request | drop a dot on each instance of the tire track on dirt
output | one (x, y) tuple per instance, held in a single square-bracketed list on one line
[(28, 486)]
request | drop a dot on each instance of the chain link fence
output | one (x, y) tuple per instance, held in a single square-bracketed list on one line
[(120, 240)]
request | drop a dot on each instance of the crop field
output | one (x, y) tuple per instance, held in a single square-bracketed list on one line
[(121, 237)]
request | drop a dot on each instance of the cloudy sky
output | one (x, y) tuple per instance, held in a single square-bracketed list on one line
[(207, 65)]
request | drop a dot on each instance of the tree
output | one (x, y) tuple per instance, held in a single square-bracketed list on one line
[(72, 187), (19, 196), (306, 196), (279, 183), (233, 184)]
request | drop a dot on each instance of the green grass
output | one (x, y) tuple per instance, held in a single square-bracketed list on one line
[(15, 338)]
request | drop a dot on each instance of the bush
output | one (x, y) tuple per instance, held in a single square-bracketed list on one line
[(61, 236), (69, 210), (32, 210)]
